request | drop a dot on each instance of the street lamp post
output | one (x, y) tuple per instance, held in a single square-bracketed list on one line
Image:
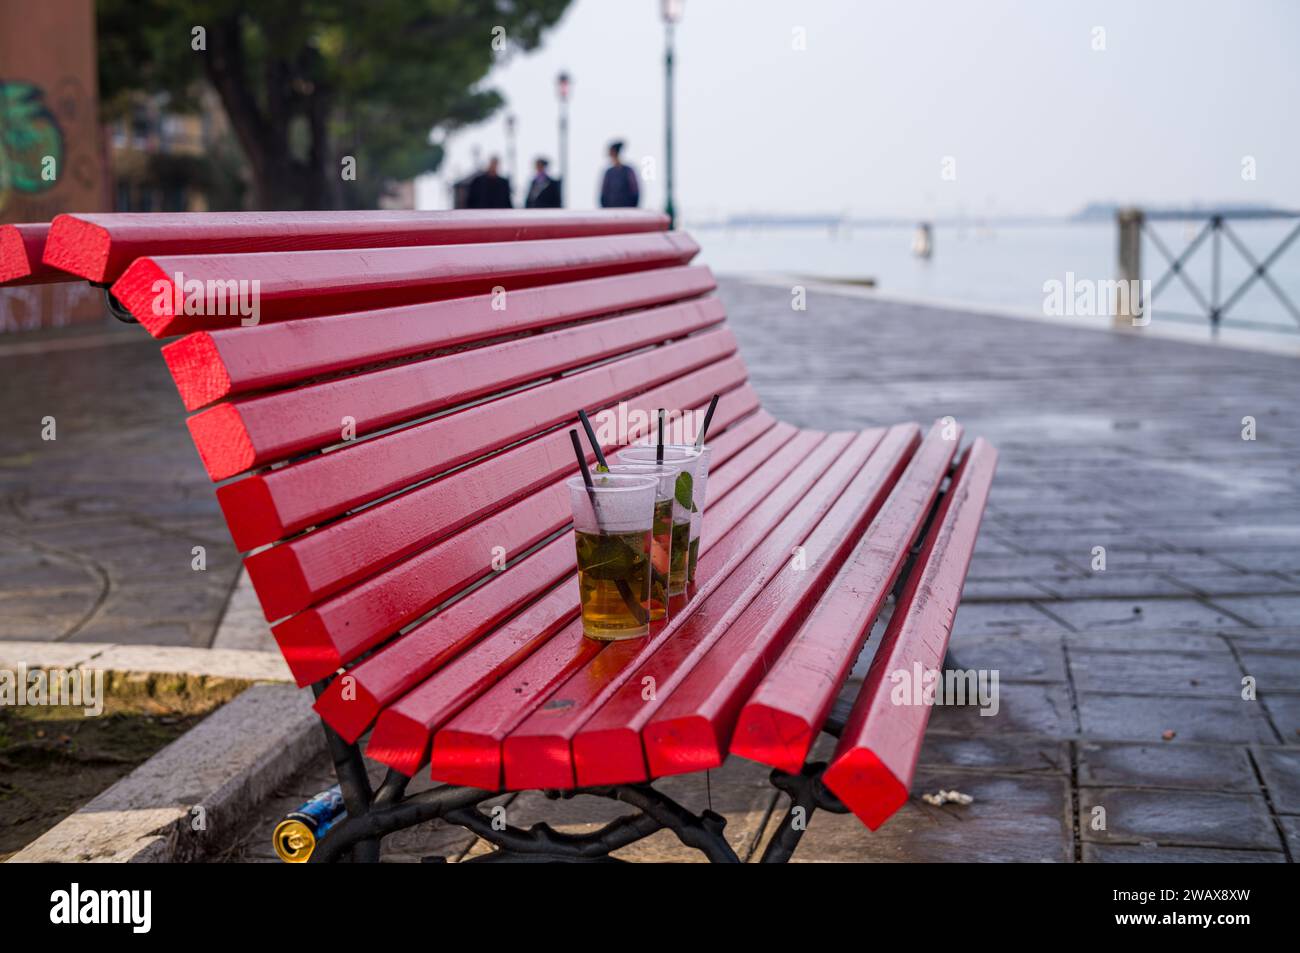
[(512, 156), (562, 94), (672, 12)]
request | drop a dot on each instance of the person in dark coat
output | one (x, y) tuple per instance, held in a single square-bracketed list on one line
[(544, 192), (620, 188), (489, 189)]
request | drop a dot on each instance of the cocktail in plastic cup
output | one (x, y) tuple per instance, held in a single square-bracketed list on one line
[(687, 505), (612, 521), (661, 550)]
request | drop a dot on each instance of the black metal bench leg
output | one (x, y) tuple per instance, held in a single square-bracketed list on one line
[(354, 783), (807, 794)]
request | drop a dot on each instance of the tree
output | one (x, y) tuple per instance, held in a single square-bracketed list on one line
[(307, 83)]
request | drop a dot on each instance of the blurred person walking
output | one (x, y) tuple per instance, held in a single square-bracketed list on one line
[(489, 189), (544, 192), (620, 188)]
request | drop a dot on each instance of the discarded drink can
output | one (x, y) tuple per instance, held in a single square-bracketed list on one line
[(297, 835)]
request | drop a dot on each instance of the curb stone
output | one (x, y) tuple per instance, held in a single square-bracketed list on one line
[(225, 766)]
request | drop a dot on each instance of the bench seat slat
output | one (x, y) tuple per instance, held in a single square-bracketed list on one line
[(468, 749), (875, 761), (410, 660), (607, 748), (689, 729), (693, 727), (417, 657), (283, 424), (539, 752), (336, 630), (208, 366), (782, 718), (301, 284), (99, 247)]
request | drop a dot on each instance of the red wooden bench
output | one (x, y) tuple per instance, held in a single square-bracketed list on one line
[(395, 425)]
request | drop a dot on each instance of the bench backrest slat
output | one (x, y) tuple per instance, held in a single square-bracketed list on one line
[(208, 366), (287, 423), (100, 247), (299, 284)]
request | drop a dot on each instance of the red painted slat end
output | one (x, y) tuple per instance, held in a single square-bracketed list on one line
[(198, 370), (537, 761), (278, 579), (308, 653), (149, 294), (466, 758), (609, 756), (250, 513), (866, 787), (398, 741), (79, 247), (773, 737), (14, 263), (679, 745), (347, 707), (222, 441)]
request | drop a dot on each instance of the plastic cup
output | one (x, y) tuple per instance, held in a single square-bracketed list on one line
[(661, 551), (688, 502), (612, 522)]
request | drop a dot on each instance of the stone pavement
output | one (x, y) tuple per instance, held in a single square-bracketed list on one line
[(98, 526), (1122, 733)]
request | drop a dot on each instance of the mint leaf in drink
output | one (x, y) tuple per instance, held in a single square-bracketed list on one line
[(609, 557), (683, 490)]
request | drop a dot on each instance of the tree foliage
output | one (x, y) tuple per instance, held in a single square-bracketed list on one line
[(305, 83)]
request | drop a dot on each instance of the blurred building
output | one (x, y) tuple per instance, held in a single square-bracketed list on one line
[(161, 160)]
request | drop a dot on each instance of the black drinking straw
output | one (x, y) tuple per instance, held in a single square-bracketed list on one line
[(708, 419), (586, 471), (659, 451), (591, 435)]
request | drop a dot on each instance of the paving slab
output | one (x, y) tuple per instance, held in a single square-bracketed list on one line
[(1023, 708), (1018, 658), (1136, 615), (1013, 818), (1284, 710), (1278, 610), (1131, 854), (1200, 674), (1195, 767), (1146, 718), (1280, 769), (1180, 818)]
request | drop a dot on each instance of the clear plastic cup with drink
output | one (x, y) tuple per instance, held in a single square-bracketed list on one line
[(613, 521)]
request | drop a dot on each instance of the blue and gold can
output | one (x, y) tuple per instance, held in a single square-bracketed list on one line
[(297, 835)]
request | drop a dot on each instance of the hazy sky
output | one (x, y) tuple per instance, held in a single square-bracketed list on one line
[(861, 120)]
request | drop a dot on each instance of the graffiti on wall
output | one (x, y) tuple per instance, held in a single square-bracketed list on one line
[(31, 141)]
